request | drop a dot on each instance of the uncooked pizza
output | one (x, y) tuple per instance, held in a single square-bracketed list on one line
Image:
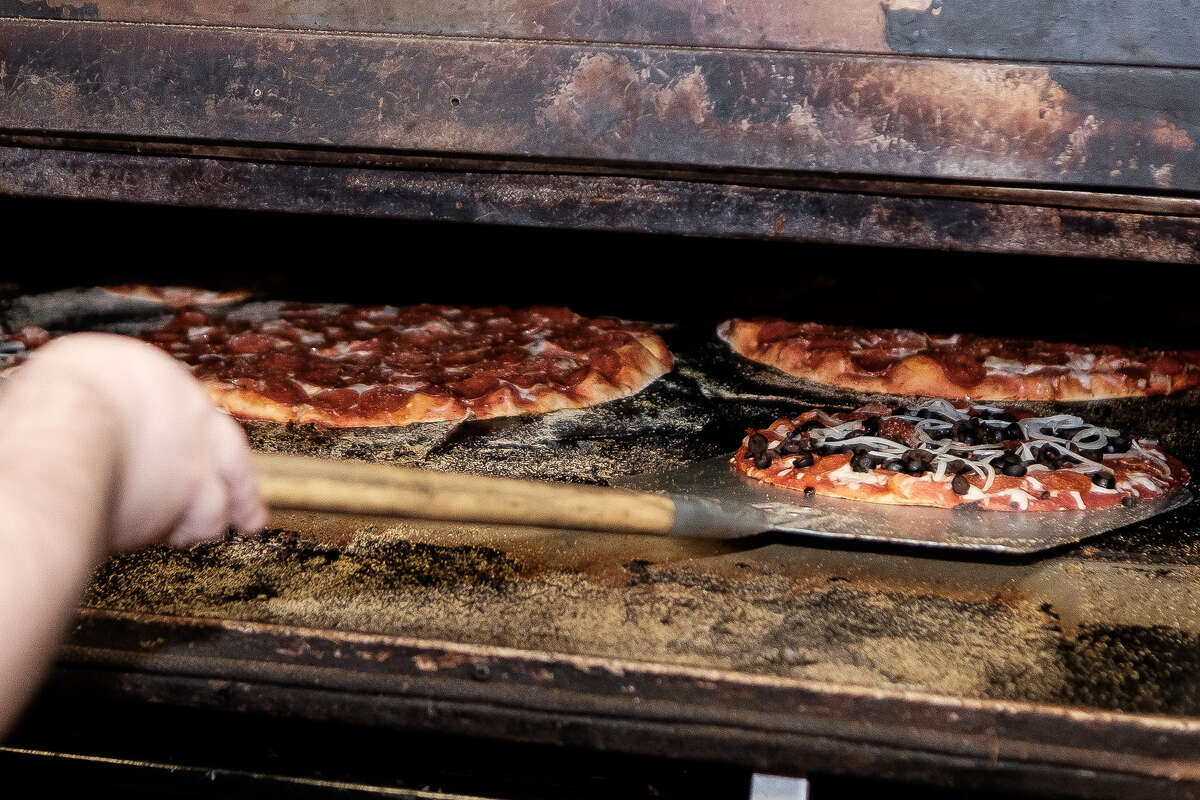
[(351, 366), (937, 453), (959, 365)]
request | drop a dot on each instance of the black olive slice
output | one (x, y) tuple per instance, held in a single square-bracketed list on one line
[(960, 485), (917, 454), (1118, 444), (1007, 457), (792, 446), (763, 460), (1105, 480)]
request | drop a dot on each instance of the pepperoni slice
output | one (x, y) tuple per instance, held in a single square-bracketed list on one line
[(335, 399), (607, 364), (283, 390), (1065, 481), (281, 362), (472, 388), (251, 343), (321, 372), (570, 375), (872, 360), (383, 400)]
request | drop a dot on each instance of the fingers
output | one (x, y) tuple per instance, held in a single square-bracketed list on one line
[(232, 457), (183, 468), (206, 517)]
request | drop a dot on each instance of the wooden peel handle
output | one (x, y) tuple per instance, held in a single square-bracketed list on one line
[(312, 484)]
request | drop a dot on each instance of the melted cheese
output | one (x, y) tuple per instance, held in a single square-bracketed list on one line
[(1140, 480), (844, 474), (1015, 496)]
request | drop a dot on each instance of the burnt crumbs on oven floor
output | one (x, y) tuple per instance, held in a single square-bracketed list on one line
[(1067, 628)]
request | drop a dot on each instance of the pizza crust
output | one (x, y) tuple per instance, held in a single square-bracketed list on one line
[(176, 296), (1101, 372)]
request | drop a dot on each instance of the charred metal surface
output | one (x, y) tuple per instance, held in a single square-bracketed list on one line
[(1066, 125), (856, 25), (1121, 32), (766, 723), (1154, 668), (42, 9), (613, 203)]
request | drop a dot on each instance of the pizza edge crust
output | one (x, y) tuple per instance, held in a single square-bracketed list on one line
[(644, 359), (177, 297), (939, 495)]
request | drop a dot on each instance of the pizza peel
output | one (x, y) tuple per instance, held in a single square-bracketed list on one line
[(705, 499), (961, 528)]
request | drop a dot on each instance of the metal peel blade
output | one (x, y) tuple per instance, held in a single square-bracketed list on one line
[(965, 528)]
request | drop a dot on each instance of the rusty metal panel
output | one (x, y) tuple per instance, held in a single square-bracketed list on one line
[(1161, 229), (1122, 31), (775, 724), (1065, 125)]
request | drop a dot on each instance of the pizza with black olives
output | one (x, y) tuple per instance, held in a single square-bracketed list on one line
[(895, 361), (937, 453)]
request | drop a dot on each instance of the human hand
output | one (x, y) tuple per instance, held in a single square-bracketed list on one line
[(181, 469)]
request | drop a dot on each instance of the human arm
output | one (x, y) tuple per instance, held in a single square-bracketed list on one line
[(106, 444)]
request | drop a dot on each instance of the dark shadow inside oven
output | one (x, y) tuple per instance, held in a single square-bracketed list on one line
[(691, 280)]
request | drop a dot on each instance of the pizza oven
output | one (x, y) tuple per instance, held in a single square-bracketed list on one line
[(947, 166)]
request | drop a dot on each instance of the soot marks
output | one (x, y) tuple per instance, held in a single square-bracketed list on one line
[(1134, 669), (40, 9), (1173, 537), (1067, 30), (639, 572), (285, 565), (617, 21), (255, 590), (405, 563)]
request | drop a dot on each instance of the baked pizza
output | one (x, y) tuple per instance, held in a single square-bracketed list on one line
[(937, 453), (350, 366), (175, 296), (908, 362)]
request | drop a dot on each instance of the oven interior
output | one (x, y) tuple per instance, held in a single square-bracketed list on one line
[(1109, 624)]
